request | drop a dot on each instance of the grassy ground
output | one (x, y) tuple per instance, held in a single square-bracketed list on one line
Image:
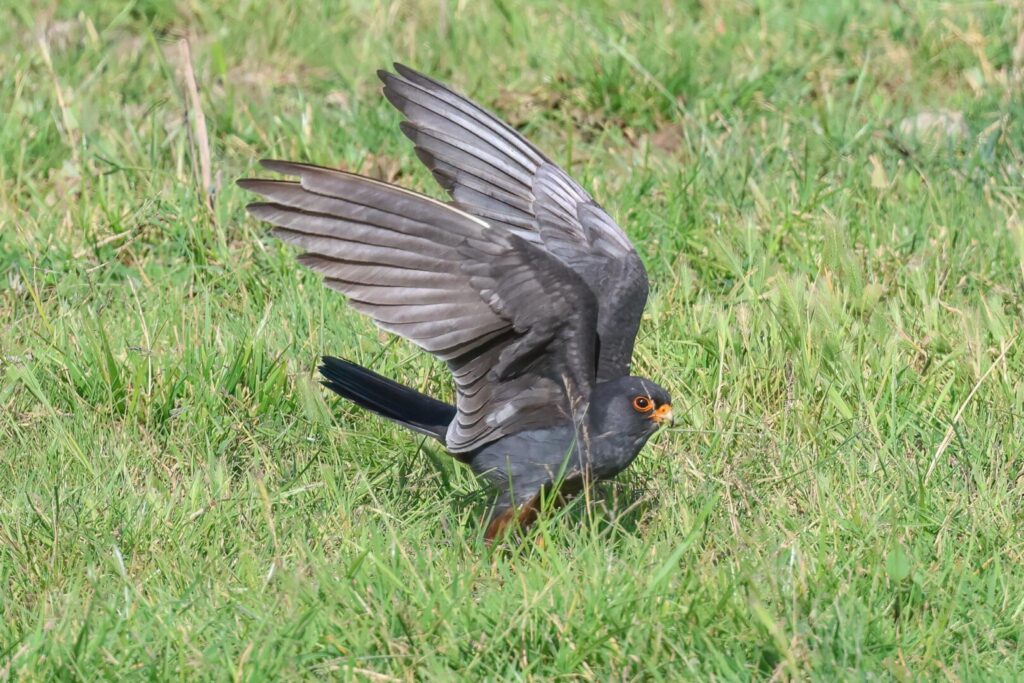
[(835, 307)]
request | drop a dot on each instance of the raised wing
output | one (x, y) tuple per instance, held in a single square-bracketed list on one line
[(515, 325), (493, 172)]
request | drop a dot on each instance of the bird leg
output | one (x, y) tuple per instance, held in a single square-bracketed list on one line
[(527, 513), (522, 516)]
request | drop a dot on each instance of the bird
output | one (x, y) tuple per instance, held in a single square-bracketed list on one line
[(520, 282)]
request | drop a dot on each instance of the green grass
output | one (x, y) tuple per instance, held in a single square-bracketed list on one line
[(835, 308)]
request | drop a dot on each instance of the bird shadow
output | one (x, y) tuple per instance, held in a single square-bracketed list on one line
[(615, 509)]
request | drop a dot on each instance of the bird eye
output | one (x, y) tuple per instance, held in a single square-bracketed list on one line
[(641, 404)]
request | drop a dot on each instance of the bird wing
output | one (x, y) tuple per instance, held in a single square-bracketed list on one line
[(515, 325), (493, 172)]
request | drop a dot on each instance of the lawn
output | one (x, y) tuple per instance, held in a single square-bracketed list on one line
[(837, 291)]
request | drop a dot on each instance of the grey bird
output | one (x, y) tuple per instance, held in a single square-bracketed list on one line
[(522, 284)]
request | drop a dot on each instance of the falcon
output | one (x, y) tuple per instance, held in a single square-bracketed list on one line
[(522, 284)]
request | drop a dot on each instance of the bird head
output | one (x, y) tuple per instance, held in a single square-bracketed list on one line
[(630, 405)]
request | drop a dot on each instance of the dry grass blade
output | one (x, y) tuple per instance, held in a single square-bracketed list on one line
[(66, 118), (201, 139), (951, 430)]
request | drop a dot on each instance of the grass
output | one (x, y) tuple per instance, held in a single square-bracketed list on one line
[(836, 309)]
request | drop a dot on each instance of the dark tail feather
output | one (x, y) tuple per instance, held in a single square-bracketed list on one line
[(389, 399)]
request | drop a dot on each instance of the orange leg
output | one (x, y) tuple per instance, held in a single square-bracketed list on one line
[(522, 517), (527, 513)]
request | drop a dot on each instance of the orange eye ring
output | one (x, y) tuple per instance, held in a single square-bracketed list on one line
[(642, 404)]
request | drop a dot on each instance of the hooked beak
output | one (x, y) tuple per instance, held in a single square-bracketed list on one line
[(662, 415)]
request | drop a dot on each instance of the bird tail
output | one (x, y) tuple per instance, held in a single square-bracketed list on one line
[(389, 399)]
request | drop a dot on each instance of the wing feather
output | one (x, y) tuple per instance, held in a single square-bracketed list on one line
[(493, 172), (512, 321)]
